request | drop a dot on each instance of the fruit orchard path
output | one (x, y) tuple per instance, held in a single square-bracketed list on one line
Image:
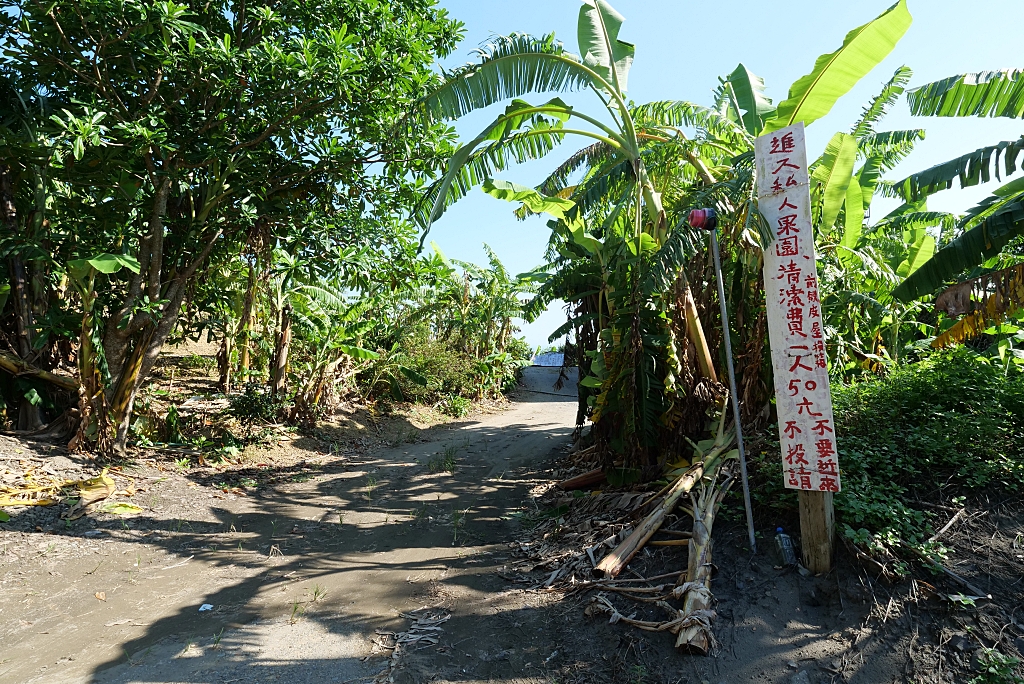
[(297, 590)]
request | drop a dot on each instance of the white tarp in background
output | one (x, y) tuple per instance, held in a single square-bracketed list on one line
[(549, 359), (802, 392)]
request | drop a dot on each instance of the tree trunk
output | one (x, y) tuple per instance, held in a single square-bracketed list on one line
[(29, 417), (245, 326), (279, 380), (224, 364), (123, 398), (133, 341)]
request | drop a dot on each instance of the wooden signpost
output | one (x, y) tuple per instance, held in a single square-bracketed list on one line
[(803, 398)]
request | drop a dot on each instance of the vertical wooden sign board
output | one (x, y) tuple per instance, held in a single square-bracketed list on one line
[(803, 397)]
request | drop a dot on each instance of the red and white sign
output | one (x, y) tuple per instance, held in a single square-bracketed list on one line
[(803, 397)]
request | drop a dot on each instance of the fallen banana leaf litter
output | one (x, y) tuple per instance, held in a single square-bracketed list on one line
[(589, 541), (32, 487)]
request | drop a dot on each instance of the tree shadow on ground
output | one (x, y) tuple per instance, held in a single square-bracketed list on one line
[(305, 572)]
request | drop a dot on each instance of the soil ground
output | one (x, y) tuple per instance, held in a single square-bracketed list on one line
[(355, 543)]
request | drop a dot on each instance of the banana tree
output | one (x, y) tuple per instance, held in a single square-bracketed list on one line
[(330, 330), (985, 230), (860, 264), (94, 426), (519, 64), (634, 388), (716, 171)]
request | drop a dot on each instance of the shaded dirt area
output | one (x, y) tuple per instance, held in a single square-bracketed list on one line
[(402, 554)]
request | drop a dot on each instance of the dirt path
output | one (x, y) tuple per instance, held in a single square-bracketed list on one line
[(299, 577), (317, 576)]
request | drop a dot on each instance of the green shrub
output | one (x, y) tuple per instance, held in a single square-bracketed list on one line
[(950, 425), (518, 348), (426, 370), (256, 402), (446, 370), (455, 406), (194, 361)]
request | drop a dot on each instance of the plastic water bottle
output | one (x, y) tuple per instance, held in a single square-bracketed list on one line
[(785, 545)]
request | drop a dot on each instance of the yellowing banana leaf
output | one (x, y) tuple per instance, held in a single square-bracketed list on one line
[(92, 490), (9, 501), (681, 464), (120, 508), (96, 488)]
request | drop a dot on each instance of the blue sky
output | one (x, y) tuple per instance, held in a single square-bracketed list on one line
[(681, 49)]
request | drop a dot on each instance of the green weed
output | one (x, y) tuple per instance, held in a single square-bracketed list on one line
[(458, 522), (943, 428), (216, 639), (997, 668), (638, 674), (444, 462)]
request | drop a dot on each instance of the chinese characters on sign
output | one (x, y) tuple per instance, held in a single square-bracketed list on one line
[(803, 397)]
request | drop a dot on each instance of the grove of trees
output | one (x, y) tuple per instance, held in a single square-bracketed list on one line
[(265, 175)]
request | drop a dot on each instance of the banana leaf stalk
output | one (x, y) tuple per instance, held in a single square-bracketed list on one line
[(703, 465), (695, 633)]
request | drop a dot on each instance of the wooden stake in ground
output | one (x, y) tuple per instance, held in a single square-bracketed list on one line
[(817, 530)]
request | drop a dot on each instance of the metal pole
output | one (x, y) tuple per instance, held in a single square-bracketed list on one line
[(732, 388)]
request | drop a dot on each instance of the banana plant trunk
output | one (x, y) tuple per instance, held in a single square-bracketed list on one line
[(695, 333), (93, 424), (695, 634), (694, 328)]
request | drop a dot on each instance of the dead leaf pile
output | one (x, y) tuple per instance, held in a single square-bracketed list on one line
[(425, 631), (570, 545), (34, 487), (30, 487)]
